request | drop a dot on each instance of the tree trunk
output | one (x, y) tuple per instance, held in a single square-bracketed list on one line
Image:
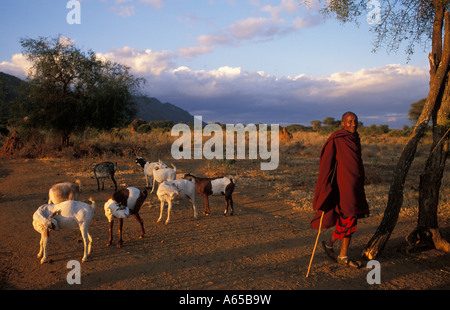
[(395, 200), (427, 231)]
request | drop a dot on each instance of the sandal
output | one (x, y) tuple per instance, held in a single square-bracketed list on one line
[(348, 262), (329, 250)]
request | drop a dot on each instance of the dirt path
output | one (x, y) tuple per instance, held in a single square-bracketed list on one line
[(266, 245)]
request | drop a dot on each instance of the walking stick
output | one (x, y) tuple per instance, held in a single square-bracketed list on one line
[(315, 245), (320, 225)]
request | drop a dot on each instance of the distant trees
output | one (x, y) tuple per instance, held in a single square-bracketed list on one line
[(70, 90), (416, 109)]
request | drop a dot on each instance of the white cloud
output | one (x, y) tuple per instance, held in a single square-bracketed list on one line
[(256, 28), (157, 4), (18, 66), (380, 95), (231, 94), (123, 10), (142, 61)]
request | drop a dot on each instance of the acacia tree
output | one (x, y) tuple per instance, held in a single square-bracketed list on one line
[(412, 22), (69, 89)]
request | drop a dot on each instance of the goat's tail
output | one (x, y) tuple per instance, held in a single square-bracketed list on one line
[(232, 178), (78, 182), (92, 202)]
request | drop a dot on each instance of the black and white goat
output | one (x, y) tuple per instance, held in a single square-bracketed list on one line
[(105, 170), (214, 186), (121, 204), (65, 215), (64, 191)]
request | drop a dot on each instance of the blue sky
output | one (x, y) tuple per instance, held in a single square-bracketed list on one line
[(246, 61)]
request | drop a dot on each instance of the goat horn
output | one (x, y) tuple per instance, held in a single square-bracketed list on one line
[(55, 213)]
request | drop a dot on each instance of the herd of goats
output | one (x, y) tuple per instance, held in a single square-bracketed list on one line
[(64, 211)]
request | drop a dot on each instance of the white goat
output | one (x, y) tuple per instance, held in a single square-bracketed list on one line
[(163, 174), (65, 215), (169, 191), (64, 191), (148, 167)]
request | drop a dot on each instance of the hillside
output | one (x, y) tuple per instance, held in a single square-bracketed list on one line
[(9, 90), (149, 109)]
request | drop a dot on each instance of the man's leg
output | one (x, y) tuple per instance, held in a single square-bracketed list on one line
[(344, 247), (345, 227)]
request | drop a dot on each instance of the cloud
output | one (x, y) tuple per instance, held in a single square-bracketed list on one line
[(142, 61), (130, 9), (18, 66), (232, 95), (123, 10), (157, 4), (256, 28), (227, 94)]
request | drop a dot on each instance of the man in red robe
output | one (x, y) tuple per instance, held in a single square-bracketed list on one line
[(339, 193)]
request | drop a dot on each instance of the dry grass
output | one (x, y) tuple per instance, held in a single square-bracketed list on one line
[(292, 183)]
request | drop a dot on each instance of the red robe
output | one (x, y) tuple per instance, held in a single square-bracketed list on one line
[(340, 185)]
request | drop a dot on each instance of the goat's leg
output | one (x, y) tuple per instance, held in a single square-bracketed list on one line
[(169, 210), (111, 224), (141, 224), (226, 207), (161, 212), (115, 183), (207, 210), (42, 247), (153, 185), (86, 241), (229, 203), (90, 243), (194, 207), (119, 244), (98, 184)]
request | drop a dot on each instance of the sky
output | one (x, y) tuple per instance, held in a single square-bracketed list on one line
[(232, 61)]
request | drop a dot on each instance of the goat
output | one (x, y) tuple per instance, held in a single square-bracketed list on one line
[(105, 170), (214, 186), (169, 191), (68, 214), (120, 205), (64, 191), (163, 174), (148, 167)]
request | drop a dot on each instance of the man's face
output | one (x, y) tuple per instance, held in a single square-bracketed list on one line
[(350, 123)]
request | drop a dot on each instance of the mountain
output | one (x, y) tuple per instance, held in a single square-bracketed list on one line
[(148, 108), (9, 90), (151, 109)]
